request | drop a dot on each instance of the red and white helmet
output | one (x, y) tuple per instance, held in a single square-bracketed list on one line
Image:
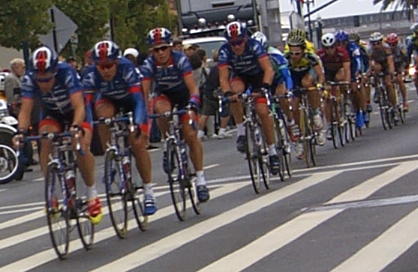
[(105, 51), (235, 30), (159, 35), (44, 59)]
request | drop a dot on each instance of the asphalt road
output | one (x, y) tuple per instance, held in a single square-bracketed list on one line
[(356, 211)]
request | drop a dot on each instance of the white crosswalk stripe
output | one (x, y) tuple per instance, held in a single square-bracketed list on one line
[(374, 256)]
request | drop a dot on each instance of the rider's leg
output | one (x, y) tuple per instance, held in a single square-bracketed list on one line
[(403, 90), (238, 86), (104, 109), (46, 125), (390, 89)]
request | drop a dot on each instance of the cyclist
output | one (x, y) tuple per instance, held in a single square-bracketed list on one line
[(412, 46), (400, 60), (355, 38), (358, 97), (171, 73), (250, 66), (115, 84), (282, 82), (57, 86), (306, 70), (336, 64), (382, 61)]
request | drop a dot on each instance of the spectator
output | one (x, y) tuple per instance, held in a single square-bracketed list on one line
[(132, 55), (178, 45), (210, 103), (190, 49)]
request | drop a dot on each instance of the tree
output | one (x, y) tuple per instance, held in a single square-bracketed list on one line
[(405, 4), (23, 20)]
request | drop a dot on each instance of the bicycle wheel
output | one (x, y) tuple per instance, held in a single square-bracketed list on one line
[(57, 212), (303, 120), (84, 226), (252, 155), (115, 194), (263, 161), (137, 200), (285, 144), (176, 181), (280, 147), (9, 164), (402, 113), (193, 195)]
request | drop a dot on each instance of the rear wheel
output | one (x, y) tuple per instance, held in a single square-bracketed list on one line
[(116, 195), (84, 226), (57, 212), (9, 164)]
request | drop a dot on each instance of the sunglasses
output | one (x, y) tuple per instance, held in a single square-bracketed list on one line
[(162, 48), (107, 66), (375, 43), (236, 42), (295, 53)]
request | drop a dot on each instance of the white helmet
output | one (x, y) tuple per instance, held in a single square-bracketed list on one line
[(328, 40), (259, 36), (131, 51)]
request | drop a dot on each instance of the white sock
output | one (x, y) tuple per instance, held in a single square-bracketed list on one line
[(221, 131), (91, 192), (200, 178), (148, 189), (272, 150), (200, 133), (240, 129)]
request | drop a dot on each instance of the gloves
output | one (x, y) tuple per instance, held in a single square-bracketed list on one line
[(320, 87), (194, 102), (265, 88)]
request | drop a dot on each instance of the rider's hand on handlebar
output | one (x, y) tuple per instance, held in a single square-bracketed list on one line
[(18, 138), (194, 103)]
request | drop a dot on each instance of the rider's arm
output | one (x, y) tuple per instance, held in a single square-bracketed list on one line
[(77, 101), (25, 114), (391, 63), (191, 85), (224, 78), (267, 68), (320, 73), (140, 107), (347, 71)]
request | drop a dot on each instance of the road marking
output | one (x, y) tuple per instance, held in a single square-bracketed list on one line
[(20, 210), (180, 238), (270, 242), (384, 249), (366, 203), (288, 232), (2, 190), (21, 219), (49, 254), (38, 203), (367, 188), (211, 166)]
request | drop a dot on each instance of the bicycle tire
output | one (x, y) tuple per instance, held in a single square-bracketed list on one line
[(280, 149), (334, 124), (137, 200), (57, 211), (84, 226), (252, 153), (304, 134), (402, 114), (115, 195), (10, 164), (193, 196), (263, 161), (176, 181)]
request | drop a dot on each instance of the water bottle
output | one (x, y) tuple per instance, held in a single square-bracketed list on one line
[(281, 127)]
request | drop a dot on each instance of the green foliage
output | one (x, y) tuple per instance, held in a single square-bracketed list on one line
[(24, 20), (405, 4)]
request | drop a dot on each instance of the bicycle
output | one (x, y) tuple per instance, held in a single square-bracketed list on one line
[(63, 203), (176, 165), (381, 97), (338, 120), (122, 194), (256, 147), (399, 110), (308, 135), (282, 135)]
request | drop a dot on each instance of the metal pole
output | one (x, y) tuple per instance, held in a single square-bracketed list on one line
[(179, 21), (309, 19), (54, 32), (299, 7)]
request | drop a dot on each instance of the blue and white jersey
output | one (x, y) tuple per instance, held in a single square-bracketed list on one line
[(168, 79), (355, 57), (58, 99), (247, 64), (126, 79), (281, 67)]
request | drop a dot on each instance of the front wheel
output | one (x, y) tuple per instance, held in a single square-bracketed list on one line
[(84, 226), (116, 194), (57, 211), (254, 156)]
